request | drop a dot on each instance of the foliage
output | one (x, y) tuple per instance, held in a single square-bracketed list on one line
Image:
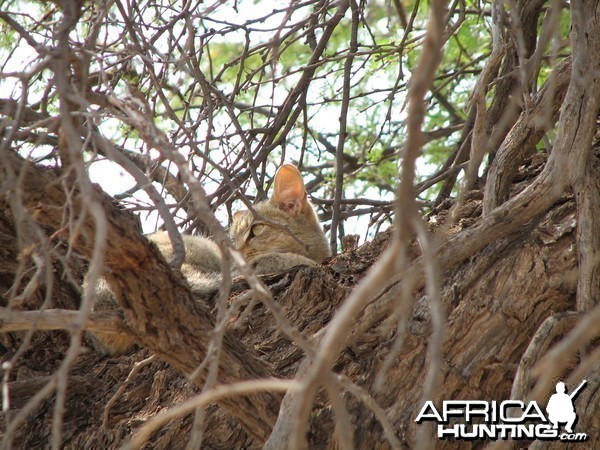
[(466, 111), (216, 79)]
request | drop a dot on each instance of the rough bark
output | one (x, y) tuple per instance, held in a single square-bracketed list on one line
[(520, 291), (495, 303), (144, 284), (525, 134)]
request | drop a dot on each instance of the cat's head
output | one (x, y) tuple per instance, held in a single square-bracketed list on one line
[(286, 223)]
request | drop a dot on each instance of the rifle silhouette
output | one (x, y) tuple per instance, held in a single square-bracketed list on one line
[(576, 391)]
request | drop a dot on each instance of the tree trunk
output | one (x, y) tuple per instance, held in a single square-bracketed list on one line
[(518, 263), (505, 306)]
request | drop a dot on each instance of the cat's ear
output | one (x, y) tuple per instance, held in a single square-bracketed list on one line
[(289, 193)]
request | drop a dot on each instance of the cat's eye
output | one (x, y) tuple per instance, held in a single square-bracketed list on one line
[(256, 230)]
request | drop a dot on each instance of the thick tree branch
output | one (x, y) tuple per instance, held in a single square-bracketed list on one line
[(524, 135), (146, 288), (61, 319), (588, 235)]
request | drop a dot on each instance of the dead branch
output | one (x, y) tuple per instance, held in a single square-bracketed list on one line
[(61, 319), (180, 337)]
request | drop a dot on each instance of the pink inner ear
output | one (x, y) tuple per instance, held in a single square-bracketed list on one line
[(289, 194), (290, 200)]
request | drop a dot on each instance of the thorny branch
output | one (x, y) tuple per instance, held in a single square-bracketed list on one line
[(199, 115), (333, 339)]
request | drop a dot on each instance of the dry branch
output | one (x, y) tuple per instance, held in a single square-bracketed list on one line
[(524, 135), (143, 284), (60, 319), (509, 272)]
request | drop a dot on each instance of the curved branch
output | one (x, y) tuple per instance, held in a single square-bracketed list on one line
[(521, 140), (146, 288)]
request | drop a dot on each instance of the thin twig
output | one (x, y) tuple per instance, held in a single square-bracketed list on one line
[(134, 371)]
